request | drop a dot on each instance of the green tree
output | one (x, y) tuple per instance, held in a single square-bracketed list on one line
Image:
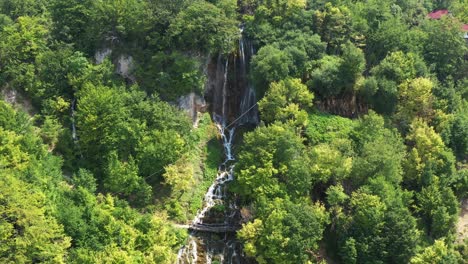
[(352, 66), (415, 100), (348, 252), (160, 115), (104, 122), (271, 162), (428, 156), (380, 151), (396, 68), (325, 79), (179, 175), (325, 128), (392, 35), (400, 234), (119, 21), (328, 163), (285, 232), (333, 24), (282, 7), (286, 100), (460, 10), (13, 155), (445, 48), (439, 208), (13, 120), (122, 180), (367, 222), (302, 47), (71, 20), (171, 75), (106, 229), (85, 179), (56, 70), (439, 252), (28, 232), (459, 133), (50, 131), (158, 149), (270, 65), (164, 11), (399, 67), (309, 43), (20, 44), (17, 8), (204, 27)]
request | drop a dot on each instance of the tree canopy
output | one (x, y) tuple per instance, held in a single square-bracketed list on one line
[(355, 151)]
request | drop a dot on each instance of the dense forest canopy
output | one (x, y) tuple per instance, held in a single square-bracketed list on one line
[(360, 155)]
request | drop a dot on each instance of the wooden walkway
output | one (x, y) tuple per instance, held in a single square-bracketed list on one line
[(212, 228)]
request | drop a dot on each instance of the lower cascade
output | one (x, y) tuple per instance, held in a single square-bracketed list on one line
[(212, 239)]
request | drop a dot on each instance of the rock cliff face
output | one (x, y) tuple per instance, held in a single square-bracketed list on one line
[(101, 55), (229, 95), (125, 67), (124, 63), (348, 106), (17, 100), (228, 91), (193, 105)]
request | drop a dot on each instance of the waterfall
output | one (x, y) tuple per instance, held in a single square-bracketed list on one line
[(218, 87), (227, 250), (233, 103), (228, 90), (248, 108), (224, 96), (72, 109)]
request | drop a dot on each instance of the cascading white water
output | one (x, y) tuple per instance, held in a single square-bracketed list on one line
[(224, 103), (248, 107), (72, 109), (216, 194), (204, 246)]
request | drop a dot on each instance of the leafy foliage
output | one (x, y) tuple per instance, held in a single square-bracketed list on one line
[(28, 232), (286, 100), (204, 27), (360, 155), (284, 232)]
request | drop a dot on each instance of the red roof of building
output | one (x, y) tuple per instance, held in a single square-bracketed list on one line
[(438, 14)]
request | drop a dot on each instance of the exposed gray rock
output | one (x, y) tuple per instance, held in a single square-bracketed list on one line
[(10, 96), (125, 66), (17, 100), (194, 105), (101, 55)]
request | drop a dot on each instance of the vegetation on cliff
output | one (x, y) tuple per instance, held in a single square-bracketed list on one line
[(360, 157)]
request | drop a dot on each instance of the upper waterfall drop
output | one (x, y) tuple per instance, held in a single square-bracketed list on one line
[(248, 108), (73, 119), (224, 94), (228, 90)]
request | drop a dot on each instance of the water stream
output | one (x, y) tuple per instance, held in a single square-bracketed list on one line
[(213, 239), (222, 247), (73, 110)]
